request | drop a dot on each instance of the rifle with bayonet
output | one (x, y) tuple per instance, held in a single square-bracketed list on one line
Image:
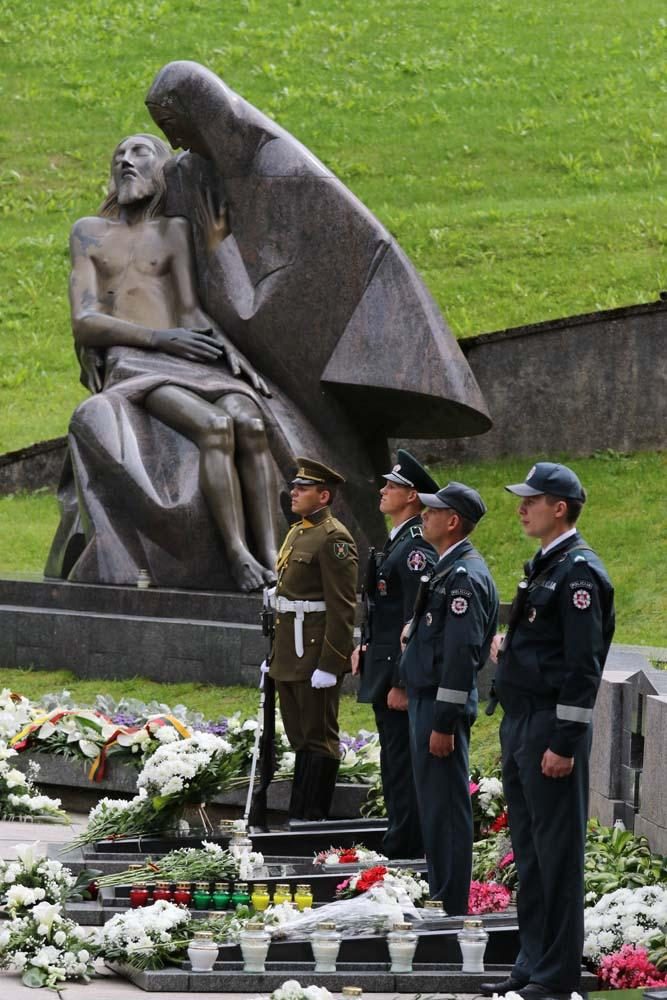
[(267, 743), (368, 604)]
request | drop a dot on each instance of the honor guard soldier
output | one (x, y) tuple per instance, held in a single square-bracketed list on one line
[(549, 669), (448, 641), (389, 595), (315, 602)]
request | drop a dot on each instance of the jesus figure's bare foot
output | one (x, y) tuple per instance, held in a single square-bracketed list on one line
[(247, 572)]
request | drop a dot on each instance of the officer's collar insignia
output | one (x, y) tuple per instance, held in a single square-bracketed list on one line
[(416, 561), (428, 618), (532, 615), (341, 550)]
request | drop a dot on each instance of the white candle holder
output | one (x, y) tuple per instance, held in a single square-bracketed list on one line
[(202, 952), (325, 942), (254, 940), (402, 944), (472, 940)]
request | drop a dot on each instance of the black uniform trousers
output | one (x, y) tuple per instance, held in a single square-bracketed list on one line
[(445, 811), (403, 837), (547, 820)]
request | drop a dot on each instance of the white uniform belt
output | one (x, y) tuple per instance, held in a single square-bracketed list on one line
[(300, 609)]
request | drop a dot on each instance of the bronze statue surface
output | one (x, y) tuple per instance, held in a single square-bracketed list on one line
[(239, 307)]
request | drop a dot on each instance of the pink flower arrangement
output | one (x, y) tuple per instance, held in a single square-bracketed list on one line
[(506, 860), (488, 897), (630, 969)]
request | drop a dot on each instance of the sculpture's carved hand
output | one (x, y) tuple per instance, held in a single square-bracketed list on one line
[(242, 367), (195, 345)]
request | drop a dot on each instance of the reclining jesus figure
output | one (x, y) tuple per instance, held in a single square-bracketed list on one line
[(135, 308)]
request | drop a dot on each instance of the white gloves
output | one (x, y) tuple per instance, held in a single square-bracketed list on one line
[(263, 669), (322, 679)]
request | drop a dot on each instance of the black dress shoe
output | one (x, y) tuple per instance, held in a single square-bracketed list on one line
[(501, 987), (535, 991)]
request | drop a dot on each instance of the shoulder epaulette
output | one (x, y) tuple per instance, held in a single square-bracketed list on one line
[(461, 569), (416, 531), (330, 525)]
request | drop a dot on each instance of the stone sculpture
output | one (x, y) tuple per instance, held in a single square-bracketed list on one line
[(307, 321)]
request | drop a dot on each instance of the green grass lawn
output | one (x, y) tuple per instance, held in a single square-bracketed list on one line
[(625, 520), (515, 149)]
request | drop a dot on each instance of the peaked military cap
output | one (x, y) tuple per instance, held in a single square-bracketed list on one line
[(458, 497), (551, 478), (408, 472), (311, 473)]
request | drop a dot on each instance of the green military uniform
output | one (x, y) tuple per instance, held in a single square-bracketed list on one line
[(315, 603)]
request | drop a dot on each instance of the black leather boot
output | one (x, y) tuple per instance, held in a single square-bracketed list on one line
[(319, 785), (296, 802)]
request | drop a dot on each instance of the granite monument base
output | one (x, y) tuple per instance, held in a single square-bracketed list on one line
[(68, 780), (171, 636)]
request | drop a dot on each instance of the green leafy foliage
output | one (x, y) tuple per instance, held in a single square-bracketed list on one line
[(617, 859)]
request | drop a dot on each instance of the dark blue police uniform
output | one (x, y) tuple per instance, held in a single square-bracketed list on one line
[(561, 626), (398, 569), (449, 642)]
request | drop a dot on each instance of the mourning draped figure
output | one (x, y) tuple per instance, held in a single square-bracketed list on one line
[(234, 305)]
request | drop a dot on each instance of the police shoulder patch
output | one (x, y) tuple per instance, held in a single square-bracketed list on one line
[(341, 550), (416, 561), (581, 599), (459, 606)]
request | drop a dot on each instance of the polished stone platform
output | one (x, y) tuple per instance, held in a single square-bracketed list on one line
[(68, 780), (282, 846), (372, 978), (110, 632), (115, 632), (426, 978)]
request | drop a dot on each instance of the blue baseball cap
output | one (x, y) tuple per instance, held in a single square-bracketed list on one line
[(550, 478), (462, 499)]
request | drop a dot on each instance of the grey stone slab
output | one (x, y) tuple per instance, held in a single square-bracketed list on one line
[(568, 358), (372, 978), (34, 628), (607, 747), (653, 790), (605, 809), (37, 658), (627, 783), (656, 835), (8, 620), (155, 981)]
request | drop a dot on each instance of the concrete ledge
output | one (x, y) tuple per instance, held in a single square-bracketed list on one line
[(68, 780)]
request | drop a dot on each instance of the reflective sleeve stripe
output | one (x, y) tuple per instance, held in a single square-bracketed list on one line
[(452, 696), (569, 713)]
